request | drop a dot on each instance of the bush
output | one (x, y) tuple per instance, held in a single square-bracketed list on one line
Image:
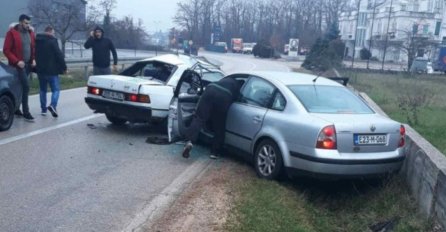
[(365, 54)]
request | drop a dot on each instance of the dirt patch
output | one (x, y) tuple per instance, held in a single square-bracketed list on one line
[(206, 203)]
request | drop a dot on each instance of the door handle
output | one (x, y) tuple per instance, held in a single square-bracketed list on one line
[(257, 119)]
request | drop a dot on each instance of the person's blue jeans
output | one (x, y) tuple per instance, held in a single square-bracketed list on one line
[(53, 81)]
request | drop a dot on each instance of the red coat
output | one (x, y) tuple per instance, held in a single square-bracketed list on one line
[(12, 48)]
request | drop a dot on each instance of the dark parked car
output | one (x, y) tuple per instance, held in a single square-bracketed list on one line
[(10, 92)]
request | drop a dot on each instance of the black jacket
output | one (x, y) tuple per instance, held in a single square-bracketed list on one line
[(229, 85), (101, 50), (49, 57)]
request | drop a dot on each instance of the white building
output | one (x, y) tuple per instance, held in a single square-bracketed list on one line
[(408, 19)]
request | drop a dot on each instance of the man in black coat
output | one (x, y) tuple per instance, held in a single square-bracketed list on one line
[(213, 107), (50, 63), (101, 52)]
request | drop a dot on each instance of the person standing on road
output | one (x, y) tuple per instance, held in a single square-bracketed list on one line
[(213, 106), (101, 52), (50, 63), (19, 48)]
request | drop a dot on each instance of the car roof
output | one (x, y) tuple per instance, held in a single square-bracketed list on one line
[(292, 78), (177, 60)]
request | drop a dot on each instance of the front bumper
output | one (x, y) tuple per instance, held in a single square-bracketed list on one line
[(129, 112)]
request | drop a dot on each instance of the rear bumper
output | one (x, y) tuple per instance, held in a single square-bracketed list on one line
[(322, 167), (125, 111)]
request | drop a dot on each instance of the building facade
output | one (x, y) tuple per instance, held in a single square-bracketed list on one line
[(387, 27)]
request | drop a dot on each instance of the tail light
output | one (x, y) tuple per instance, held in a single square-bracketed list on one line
[(94, 90), (327, 138), (402, 136), (138, 98)]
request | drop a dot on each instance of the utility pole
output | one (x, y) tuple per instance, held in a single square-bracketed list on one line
[(356, 33), (371, 33), (387, 35)]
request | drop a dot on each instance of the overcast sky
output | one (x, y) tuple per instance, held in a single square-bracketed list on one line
[(156, 14)]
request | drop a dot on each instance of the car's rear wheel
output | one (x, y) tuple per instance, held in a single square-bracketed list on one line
[(115, 120), (6, 112), (268, 160)]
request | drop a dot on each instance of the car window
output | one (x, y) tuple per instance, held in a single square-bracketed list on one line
[(329, 99), (257, 92), (211, 76), (151, 70), (279, 102), (191, 84)]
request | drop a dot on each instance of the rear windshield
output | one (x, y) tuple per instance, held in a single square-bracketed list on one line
[(329, 99), (151, 70)]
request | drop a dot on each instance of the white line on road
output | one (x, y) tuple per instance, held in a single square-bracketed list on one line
[(44, 130), (156, 207)]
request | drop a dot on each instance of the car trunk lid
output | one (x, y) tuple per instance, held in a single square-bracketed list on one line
[(120, 83), (364, 132)]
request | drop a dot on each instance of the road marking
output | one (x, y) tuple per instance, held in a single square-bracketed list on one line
[(155, 208), (44, 130)]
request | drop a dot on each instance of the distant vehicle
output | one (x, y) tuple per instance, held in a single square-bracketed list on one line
[(324, 141), (247, 48), (421, 65), (263, 50), (439, 59), (222, 44), (237, 45), (10, 95), (143, 91)]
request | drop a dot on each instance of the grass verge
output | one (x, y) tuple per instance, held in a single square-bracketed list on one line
[(74, 79), (409, 98), (310, 205)]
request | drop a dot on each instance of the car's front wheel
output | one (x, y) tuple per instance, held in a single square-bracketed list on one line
[(268, 160), (115, 120), (6, 113)]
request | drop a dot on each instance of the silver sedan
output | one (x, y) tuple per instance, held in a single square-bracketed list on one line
[(303, 124)]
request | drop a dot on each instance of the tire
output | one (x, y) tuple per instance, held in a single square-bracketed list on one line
[(6, 112), (115, 120), (268, 161)]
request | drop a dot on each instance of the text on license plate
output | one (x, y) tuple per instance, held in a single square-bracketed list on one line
[(113, 95), (377, 139)]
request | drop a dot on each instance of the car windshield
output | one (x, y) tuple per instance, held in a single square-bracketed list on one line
[(329, 99)]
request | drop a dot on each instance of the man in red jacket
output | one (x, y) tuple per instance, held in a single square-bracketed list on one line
[(19, 49)]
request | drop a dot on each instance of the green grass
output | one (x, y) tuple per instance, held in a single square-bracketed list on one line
[(311, 205), (74, 79), (386, 89)]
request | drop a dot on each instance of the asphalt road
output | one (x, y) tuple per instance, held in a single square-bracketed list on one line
[(80, 173)]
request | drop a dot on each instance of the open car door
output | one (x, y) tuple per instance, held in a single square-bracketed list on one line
[(183, 104)]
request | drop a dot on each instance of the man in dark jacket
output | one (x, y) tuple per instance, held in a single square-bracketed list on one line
[(50, 63), (101, 52), (213, 107), (19, 49)]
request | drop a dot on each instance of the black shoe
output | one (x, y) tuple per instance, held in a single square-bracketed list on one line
[(214, 156), (186, 150), (18, 113), (28, 117), (52, 111)]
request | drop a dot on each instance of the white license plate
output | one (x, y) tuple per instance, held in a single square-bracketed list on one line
[(379, 139), (113, 95)]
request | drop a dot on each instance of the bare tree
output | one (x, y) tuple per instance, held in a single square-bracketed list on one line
[(67, 18)]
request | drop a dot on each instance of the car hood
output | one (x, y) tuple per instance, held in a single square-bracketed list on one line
[(121, 83), (360, 123)]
